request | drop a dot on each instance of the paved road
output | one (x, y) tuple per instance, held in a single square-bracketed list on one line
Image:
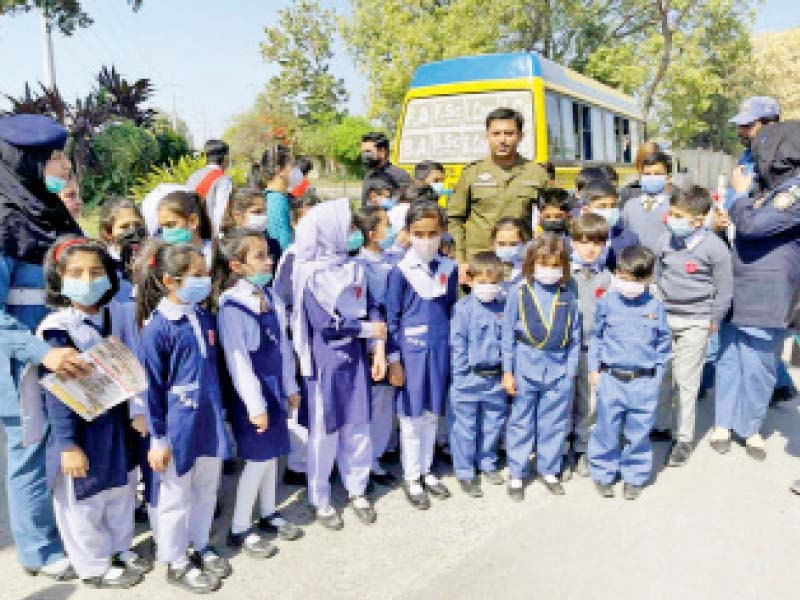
[(723, 527)]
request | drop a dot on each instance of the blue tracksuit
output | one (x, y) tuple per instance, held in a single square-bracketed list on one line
[(766, 256), (477, 400), (628, 335), (420, 330), (541, 347)]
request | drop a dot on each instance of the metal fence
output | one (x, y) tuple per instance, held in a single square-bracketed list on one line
[(702, 167)]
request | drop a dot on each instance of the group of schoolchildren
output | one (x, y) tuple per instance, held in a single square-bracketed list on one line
[(355, 335)]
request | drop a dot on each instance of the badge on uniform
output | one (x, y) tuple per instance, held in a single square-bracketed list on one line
[(691, 267), (359, 291), (785, 200), (212, 337), (485, 180), (443, 279), (599, 292)]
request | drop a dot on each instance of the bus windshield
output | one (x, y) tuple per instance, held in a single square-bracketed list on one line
[(452, 129)]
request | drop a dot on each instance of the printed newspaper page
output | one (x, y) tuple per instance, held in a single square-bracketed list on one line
[(116, 377)]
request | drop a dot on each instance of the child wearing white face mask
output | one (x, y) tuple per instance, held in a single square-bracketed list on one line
[(478, 403), (628, 352), (420, 294), (541, 347), (247, 209), (510, 237)]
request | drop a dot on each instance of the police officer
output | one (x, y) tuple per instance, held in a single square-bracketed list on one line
[(766, 256), (375, 157), (502, 185)]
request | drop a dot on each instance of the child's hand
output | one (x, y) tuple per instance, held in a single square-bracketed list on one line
[(378, 366), (139, 423), (159, 459), (397, 376), (261, 422), (594, 379), (379, 330), (66, 362), (713, 328), (74, 462), (509, 384), (294, 401), (741, 180)]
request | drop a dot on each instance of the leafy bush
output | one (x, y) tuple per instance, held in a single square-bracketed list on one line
[(178, 171)]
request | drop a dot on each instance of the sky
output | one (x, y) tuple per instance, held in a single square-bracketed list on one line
[(201, 55)]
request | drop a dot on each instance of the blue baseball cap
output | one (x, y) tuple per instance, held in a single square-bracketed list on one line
[(755, 108), (33, 131)]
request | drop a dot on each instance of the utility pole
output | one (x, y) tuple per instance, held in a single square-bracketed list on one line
[(47, 51)]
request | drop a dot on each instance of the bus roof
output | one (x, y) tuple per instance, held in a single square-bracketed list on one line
[(521, 65)]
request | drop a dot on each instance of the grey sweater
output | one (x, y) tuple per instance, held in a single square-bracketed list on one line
[(591, 287), (695, 277), (647, 224)]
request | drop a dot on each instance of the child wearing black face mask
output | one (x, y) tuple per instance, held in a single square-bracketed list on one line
[(554, 211)]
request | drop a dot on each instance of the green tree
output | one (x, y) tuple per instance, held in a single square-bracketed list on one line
[(67, 15), (173, 140), (301, 44), (339, 142)]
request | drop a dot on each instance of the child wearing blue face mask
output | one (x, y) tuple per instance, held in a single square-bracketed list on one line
[(694, 274), (89, 463), (379, 236), (260, 359), (380, 194), (646, 215), (510, 237), (178, 349), (183, 221), (600, 198)]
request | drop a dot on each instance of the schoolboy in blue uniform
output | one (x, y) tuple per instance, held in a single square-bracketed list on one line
[(541, 346), (478, 403), (628, 353), (601, 198)]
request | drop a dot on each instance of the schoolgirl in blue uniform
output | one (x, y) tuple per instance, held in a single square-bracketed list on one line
[(541, 348), (89, 463), (331, 306), (510, 238), (420, 294), (178, 349), (379, 236), (122, 229), (183, 221), (478, 403), (260, 360)]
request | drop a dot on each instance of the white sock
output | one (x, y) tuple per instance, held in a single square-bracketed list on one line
[(431, 479), (550, 478), (360, 502), (325, 511), (516, 483), (180, 563), (113, 573), (414, 488)]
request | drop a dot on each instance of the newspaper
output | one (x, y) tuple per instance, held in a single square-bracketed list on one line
[(116, 377)]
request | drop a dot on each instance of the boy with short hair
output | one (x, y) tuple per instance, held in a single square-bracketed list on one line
[(695, 278), (645, 216), (628, 353), (554, 211), (478, 403), (601, 198), (379, 193), (592, 279)]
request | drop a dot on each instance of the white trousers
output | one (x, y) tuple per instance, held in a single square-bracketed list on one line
[(350, 447), (186, 508), (380, 428), (95, 528), (417, 440), (298, 444), (258, 479)]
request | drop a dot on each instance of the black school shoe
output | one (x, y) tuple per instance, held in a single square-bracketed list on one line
[(419, 501), (758, 454), (494, 477), (391, 457), (679, 455), (294, 478), (210, 561), (660, 435), (131, 561), (517, 494), (721, 446), (554, 487), (193, 579), (66, 574), (364, 510), (471, 487), (332, 521), (437, 490), (606, 490), (123, 581), (582, 464), (257, 548), (631, 492), (280, 527), (385, 479)]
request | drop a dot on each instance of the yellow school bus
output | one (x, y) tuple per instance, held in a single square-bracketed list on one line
[(570, 120)]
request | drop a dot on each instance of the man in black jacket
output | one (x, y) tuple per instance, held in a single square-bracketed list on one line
[(375, 157)]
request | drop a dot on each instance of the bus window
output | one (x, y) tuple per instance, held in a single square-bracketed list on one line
[(452, 129), (555, 140), (582, 125), (627, 156), (568, 129), (609, 128), (598, 141)]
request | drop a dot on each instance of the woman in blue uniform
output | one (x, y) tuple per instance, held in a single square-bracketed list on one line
[(420, 295), (31, 218), (541, 347), (329, 322), (260, 360), (89, 464), (178, 349)]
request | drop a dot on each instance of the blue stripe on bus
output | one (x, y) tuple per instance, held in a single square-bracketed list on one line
[(477, 68)]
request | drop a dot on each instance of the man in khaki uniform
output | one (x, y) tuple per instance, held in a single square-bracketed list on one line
[(502, 185)]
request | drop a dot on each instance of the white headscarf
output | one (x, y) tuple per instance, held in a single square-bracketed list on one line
[(321, 264), (153, 199)]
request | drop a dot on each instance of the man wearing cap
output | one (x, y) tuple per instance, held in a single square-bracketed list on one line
[(211, 182), (31, 218)]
